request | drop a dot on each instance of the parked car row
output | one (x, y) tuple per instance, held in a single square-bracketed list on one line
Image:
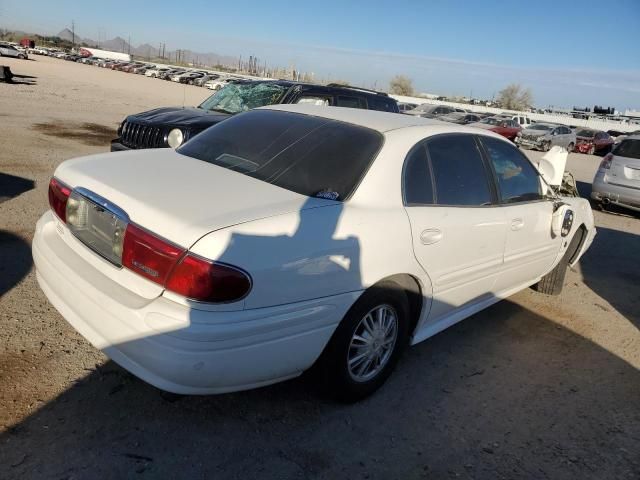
[(200, 78), (9, 50), (173, 126)]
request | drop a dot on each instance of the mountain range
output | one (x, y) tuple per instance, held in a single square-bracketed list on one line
[(119, 44)]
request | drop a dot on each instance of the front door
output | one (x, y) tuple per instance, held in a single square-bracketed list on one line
[(530, 249), (458, 230)]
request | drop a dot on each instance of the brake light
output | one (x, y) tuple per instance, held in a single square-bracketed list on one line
[(58, 196), (149, 255), (606, 161), (207, 281)]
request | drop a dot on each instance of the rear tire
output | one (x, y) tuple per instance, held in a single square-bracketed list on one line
[(546, 146), (338, 366), (571, 147), (553, 282)]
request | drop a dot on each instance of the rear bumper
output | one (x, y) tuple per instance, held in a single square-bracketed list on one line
[(176, 347), (603, 191)]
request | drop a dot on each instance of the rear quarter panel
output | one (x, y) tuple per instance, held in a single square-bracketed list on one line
[(318, 252)]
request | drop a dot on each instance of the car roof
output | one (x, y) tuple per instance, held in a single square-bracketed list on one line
[(330, 88), (373, 119)]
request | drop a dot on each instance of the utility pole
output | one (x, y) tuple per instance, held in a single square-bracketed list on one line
[(129, 45), (73, 34)]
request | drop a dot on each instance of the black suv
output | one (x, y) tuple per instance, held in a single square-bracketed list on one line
[(172, 126)]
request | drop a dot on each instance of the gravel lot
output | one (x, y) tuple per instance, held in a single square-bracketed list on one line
[(534, 387)]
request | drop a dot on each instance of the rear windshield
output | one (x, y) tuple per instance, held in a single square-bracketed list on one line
[(313, 156), (585, 133), (628, 148)]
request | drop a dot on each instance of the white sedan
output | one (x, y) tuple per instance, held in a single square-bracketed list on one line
[(293, 235)]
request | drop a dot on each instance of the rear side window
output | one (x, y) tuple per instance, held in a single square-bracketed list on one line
[(418, 189), (309, 155), (383, 104), (459, 173), (517, 178), (350, 102), (628, 148)]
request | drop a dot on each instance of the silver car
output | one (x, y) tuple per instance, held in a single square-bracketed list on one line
[(7, 50), (543, 136), (618, 178)]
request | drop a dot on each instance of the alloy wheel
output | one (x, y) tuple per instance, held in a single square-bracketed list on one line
[(372, 343)]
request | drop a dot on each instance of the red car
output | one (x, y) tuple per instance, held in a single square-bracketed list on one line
[(504, 126), (593, 141)]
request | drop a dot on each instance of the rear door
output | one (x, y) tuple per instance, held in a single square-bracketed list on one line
[(625, 165), (529, 250), (458, 230)]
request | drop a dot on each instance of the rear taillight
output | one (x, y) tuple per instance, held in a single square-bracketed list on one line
[(606, 161), (207, 281), (148, 255), (180, 272), (58, 196)]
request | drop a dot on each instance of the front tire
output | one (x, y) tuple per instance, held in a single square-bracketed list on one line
[(553, 282), (570, 147), (367, 344)]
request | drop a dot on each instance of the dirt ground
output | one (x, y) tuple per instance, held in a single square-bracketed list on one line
[(534, 387)]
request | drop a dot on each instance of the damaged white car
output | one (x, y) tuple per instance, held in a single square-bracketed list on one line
[(292, 236)]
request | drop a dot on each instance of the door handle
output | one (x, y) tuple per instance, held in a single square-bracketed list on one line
[(517, 224), (430, 236)]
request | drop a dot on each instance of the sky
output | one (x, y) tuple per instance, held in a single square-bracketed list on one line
[(568, 53)]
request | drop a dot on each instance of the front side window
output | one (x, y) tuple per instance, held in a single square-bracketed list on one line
[(313, 100), (458, 170), (517, 178), (310, 155)]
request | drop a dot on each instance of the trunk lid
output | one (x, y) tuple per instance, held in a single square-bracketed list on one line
[(178, 197)]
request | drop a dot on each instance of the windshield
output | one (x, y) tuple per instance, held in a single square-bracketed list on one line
[(313, 156), (239, 97), (585, 133), (490, 121), (454, 116), (538, 126)]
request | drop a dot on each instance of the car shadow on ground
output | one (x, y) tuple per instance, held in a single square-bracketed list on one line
[(15, 261), (584, 189), (12, 186), (505, 394), (21, 80), (619, 283)]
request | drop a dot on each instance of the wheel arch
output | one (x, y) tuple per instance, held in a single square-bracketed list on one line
[(413, 290), (582, 231)]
